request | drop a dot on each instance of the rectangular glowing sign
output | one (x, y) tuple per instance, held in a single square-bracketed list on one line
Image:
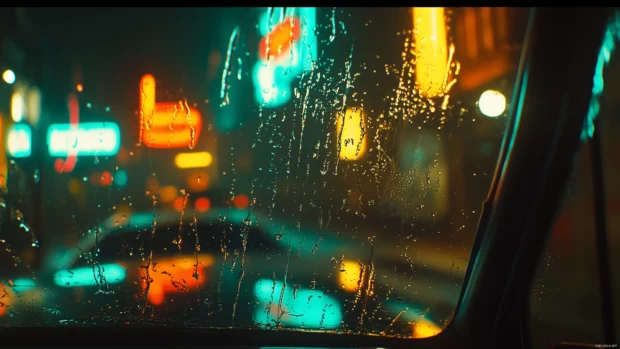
[(431, 49), (287, 48), (86, 139), (19, 141), (306, 308), (351, 130), (193, 160), (166, 124), (90, 276)]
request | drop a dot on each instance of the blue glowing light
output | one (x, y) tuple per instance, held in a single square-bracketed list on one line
[(23, 285), (88, 139), (120, 178), (308, 308), (19, 141), (90, 276)]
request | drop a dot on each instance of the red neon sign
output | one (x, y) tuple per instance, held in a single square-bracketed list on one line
[(278, 43), (166, 124), (68, 164)]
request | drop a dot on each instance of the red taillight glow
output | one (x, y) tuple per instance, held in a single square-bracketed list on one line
[(174, 275)]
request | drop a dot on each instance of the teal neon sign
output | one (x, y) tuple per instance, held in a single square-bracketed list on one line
[(90, 276), (85, 139), (303, 308), (274, 74)]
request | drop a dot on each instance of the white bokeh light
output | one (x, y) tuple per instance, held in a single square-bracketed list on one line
[(492, 103)]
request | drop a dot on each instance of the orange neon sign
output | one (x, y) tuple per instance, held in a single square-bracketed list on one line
[(174, 275), (166, 124), (278, 42)]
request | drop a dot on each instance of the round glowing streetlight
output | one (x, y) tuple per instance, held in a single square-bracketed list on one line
[(8, 76), (492, 103)]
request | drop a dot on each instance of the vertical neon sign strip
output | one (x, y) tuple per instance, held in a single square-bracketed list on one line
[(68, 164), (275, 71), (431, 49)]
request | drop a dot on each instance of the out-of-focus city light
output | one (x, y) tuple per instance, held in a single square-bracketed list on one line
[(178, 268), (102, 179), (287, 48), (202, 204), (87, 139), (425, 329), (23, 284), (62, 166), (8, 76), (79, 87), (87, 276), (168, 193), (106, 179), (120, 178), (122, 157), (272, 88), (422, 326), (304, 307), (17, 106), (352, 134), (197, 181), (492, 103), (179, 204), (241, 201), (171, 124), (350, 277), (74, 186), (33, 105), (431, 50), (19, 141), (279, 41), (67, 165), (193, 160), (152, 185)]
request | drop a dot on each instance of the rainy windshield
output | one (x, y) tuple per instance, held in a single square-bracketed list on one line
[(294, 169)]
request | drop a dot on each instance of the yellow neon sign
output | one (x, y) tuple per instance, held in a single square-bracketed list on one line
[(352, 134), (193, 160), (429, 29)]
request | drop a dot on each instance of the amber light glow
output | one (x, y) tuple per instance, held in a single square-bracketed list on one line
[(168, 193), (278, 42), (174, 275), (166, 124), (179, 204), (193, 160), (352, 135), (197, 181), (425, 329), (429, 29), (349, 278)]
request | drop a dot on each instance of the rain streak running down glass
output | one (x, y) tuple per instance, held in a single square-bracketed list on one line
[(305, 169)]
